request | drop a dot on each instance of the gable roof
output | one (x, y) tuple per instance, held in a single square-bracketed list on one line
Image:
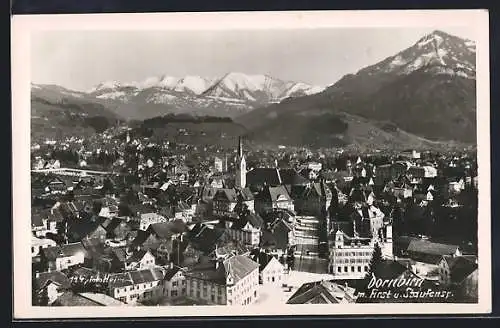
[(262, 259), (226, 194), (170, 273), (56, 277), (51, 253), (135, 277), (264, 176), (460, 267), (291, 177), (239, 266), (430, 248), (253, 218), (319, 292)]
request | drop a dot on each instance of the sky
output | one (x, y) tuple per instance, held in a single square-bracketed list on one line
[(79, 59)]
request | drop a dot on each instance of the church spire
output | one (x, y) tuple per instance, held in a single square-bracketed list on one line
[(241, 170), (240, 148)]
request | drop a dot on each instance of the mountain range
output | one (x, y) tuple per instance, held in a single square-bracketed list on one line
[(422, 96), (427, 90), (230, 95)]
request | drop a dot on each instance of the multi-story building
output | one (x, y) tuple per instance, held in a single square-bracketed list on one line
[(233, 281), (247, 229), (174, 283), (137, 286), (350, 256), (225, 201), (273, 198)]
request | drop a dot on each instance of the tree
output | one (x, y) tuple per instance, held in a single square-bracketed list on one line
[(375, 260)]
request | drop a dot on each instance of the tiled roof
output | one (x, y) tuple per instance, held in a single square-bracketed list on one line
[(171, 272), (227, 194), (54, 276), (430, 248), (461, 269), (291, 177), (261, 258), (264, 176), (319, 292), (239, 266), (102, 299), (135, 277), (71, 299)]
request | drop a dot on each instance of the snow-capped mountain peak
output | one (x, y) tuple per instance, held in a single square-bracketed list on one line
[(436, 52), (194, 84), (235, 91)]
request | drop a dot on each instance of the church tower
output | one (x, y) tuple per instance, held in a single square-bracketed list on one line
[(241, 170)]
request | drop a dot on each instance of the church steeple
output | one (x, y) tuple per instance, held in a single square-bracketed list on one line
[(240, 149), (241, 171)]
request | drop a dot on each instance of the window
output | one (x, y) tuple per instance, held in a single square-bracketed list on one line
[(352, 269), (345, 269), (174, 283), (359, 268), (339, 269), (174, 293)]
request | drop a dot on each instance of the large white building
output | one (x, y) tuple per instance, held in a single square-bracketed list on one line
[(350, 256), (233, 281)]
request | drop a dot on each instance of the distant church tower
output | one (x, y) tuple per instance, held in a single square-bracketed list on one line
[(241, 170)]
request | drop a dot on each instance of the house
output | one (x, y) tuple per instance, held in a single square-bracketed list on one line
[(368, 220), (314, 199), (116, 228), (247, 229), (174, 282), (204, 238), (280, 238), (49, 184), (429, 252), (184, 211), (165, 240), (427, 256), (128, 259), (455, 185), (272, 198), (109, 211), (48, 286), (43, 223), (78, 230), (410, 154), (233, 281), (137, 286), (271, 271), (226, 200), (323, 292), (63, 257), (37, 244), (459, 271), (422, 171), (146, 219)]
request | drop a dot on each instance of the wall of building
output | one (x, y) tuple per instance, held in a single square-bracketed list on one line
[(245, 291)]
